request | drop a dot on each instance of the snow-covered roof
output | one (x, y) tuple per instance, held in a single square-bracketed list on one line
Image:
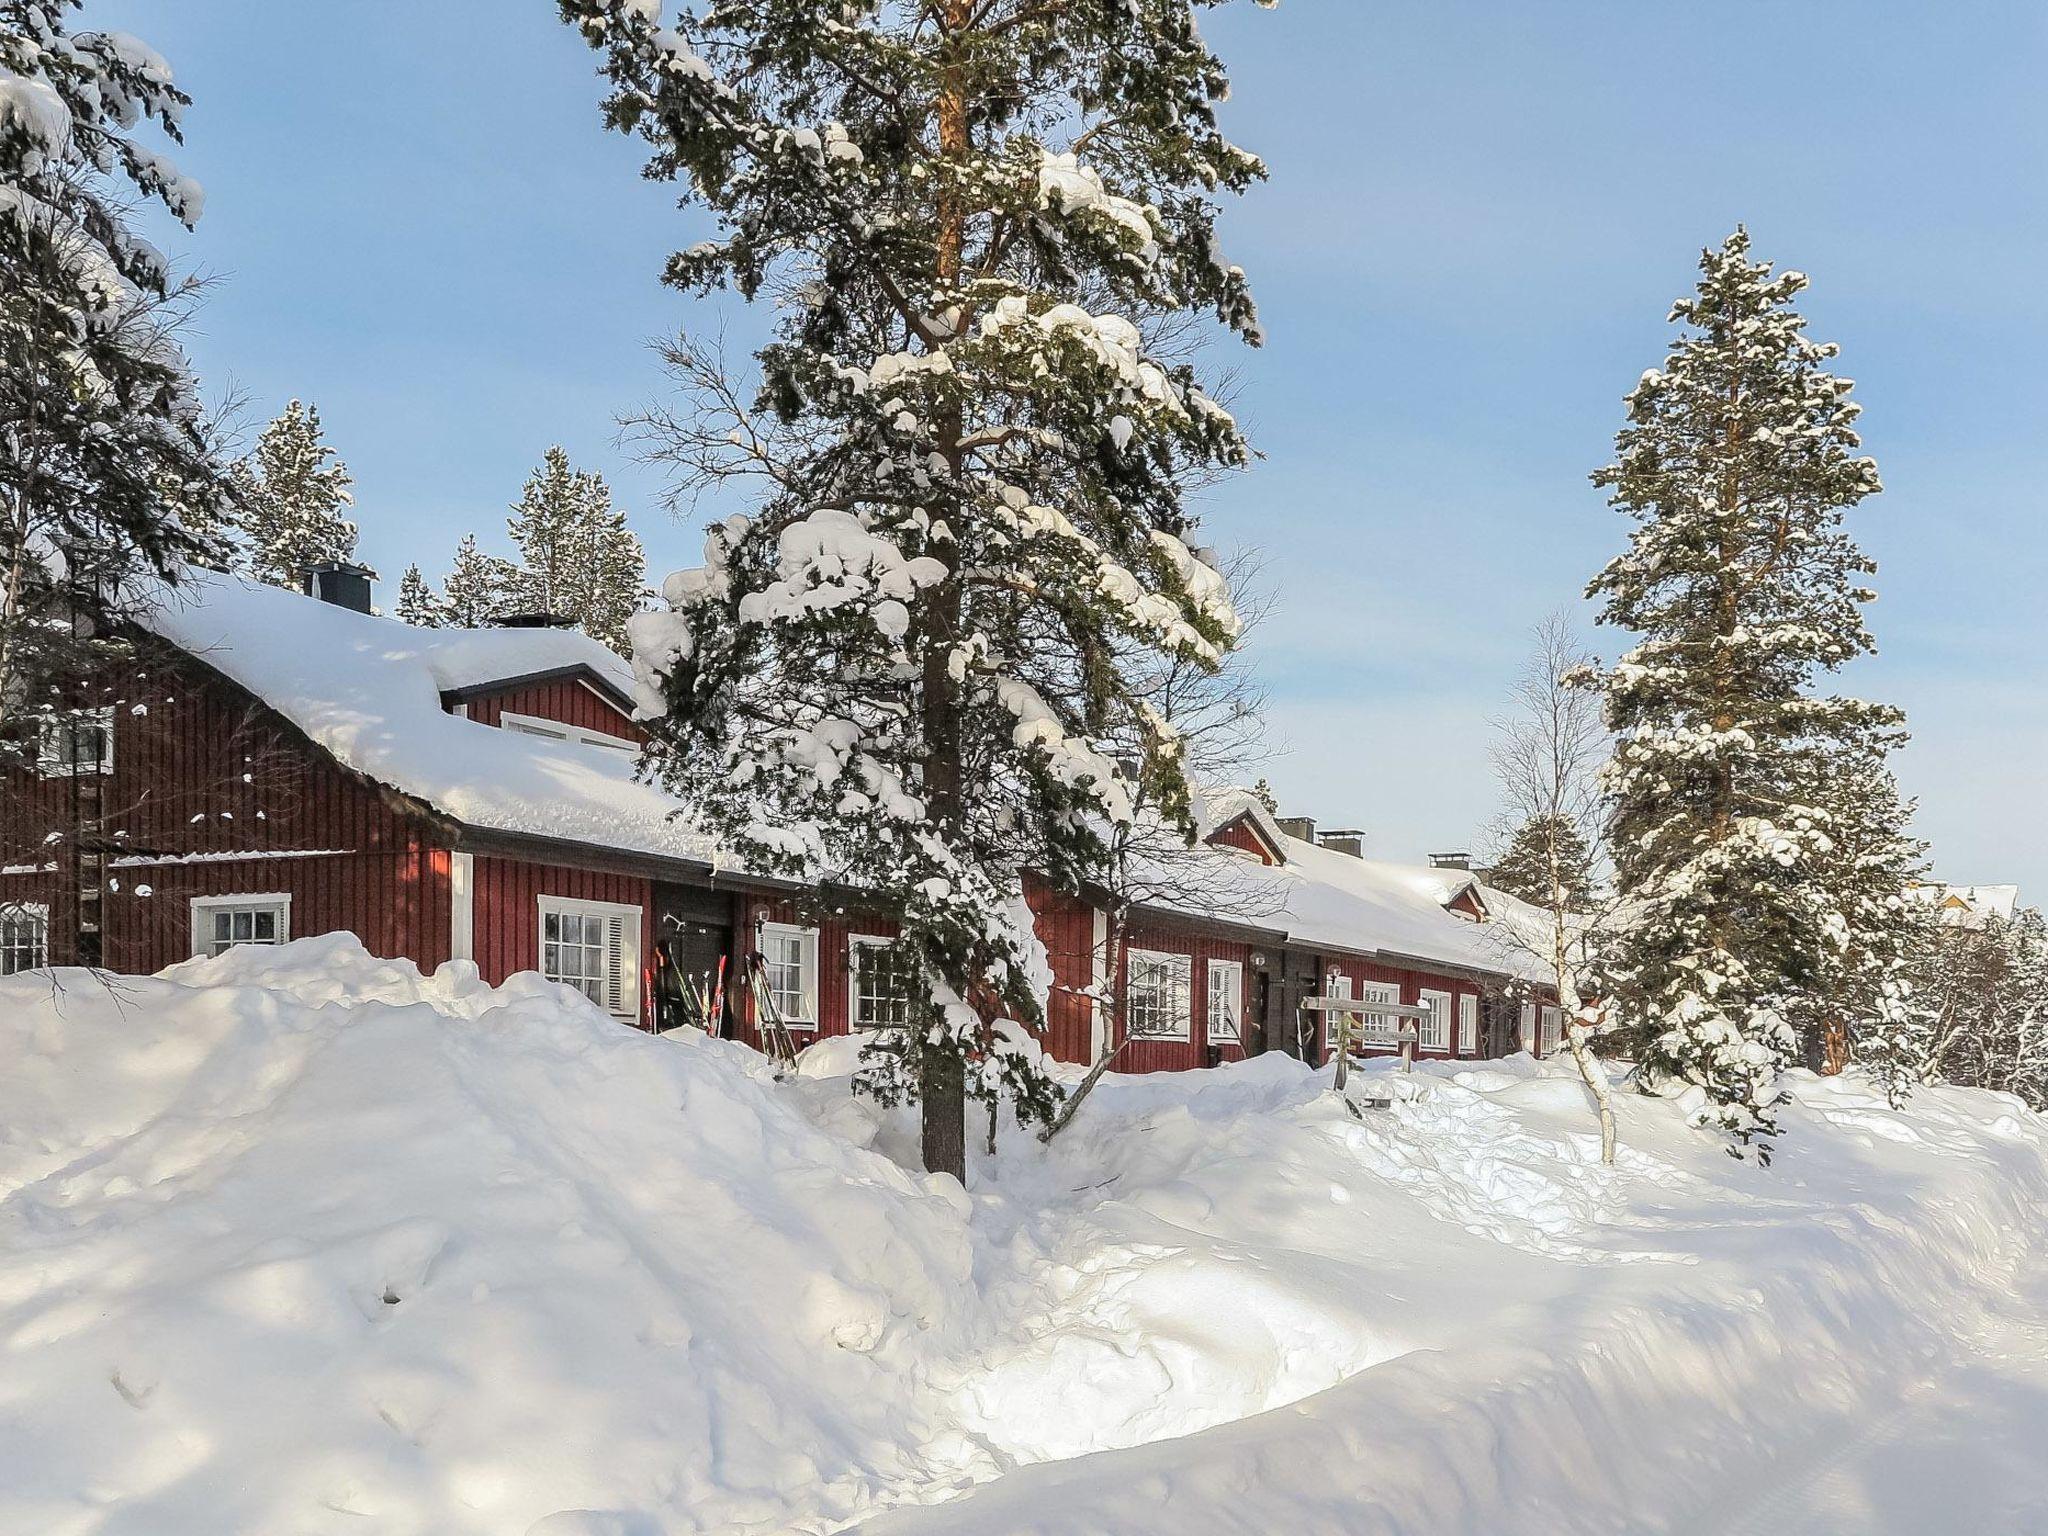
[(1971, 903), (368, 690)]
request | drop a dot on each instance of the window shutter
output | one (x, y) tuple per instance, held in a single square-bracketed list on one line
[(622, 965)]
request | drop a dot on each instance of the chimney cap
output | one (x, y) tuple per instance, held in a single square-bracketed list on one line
[(1458, 860), (534, 620), (1303, 827)]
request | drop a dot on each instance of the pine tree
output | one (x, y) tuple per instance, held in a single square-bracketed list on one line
[(108, 471), (1982, 982), (1735, 789), (1263, 793), (1523, 868), (577, 559), (418, 603), (297, 487), (971, 465), (479, 588)]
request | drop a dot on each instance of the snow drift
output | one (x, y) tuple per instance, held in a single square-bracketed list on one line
[(302, 1240)]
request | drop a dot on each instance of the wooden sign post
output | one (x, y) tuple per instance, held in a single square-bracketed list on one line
[(1405, 1031)]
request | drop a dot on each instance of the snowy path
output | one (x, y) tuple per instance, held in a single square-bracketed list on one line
[(1964, 1450)]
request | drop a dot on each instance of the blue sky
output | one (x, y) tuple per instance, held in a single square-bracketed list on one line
[(1478, 215)]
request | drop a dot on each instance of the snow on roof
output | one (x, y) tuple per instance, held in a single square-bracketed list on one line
[(1217, 807), (1972, 903), (368, 690)]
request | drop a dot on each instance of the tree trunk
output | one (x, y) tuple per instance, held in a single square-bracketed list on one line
[(942, 1078), (944, 1097)]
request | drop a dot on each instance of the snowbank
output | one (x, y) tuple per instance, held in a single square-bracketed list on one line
[(300, 1240)]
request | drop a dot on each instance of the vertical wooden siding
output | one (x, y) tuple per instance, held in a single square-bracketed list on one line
[(507, 913), (1412, 984), (1147, 1054), (561, 698), (212, 794)]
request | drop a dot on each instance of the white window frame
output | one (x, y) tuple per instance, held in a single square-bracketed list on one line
[(1528, 1027), (807, 959), (1179, 978), (1550, 1029), (49, 765), (622, 983), (1379, 1029), (1231, 974), (1468, 1021), (1435, 1030), (37, 942), (204, 908), (855, 943), (559, 730), (1335, 984)]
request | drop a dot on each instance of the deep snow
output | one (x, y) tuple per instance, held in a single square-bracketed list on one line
[(300, 1241)]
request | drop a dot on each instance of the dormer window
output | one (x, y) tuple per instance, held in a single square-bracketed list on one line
[(556, 730)]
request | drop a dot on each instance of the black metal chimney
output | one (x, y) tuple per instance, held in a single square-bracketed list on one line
[(341, 583)]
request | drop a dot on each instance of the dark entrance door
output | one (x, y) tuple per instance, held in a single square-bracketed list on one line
[(693, 935)]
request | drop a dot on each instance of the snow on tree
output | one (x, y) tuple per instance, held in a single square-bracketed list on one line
[(478, 589), (577, 559), (1735, 788), (101, 428), (108, 473), (901, 670), (291, 515), (418, 603), (1983, 981)]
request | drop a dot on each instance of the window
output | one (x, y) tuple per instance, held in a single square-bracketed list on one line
[(24, 938), (1553, 1029), (76, 743), (880, 989), (1226, 999), (1468, 1023), (1335, 984), (557, 730), (1436, 1029), (593, 946), (791, 957), (219, 923), (1159, 995), (1380, 1028)]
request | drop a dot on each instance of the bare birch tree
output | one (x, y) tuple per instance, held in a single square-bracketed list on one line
[(1547, 753)]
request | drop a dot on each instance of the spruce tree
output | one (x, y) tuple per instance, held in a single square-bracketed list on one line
[(970, 462), (1524, 866), (291, 515), (1735, 788), (418, 603), (479, 588), (103, 442), (577, 559)]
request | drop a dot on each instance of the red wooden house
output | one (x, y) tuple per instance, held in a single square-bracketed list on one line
[(276, 766)]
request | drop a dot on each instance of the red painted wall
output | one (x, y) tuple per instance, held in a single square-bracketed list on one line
[(506, 912), (1412, 983), (1145, 1054), (564, 699), (1239, 834), (201, 769)]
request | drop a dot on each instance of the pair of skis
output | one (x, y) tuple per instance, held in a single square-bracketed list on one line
[(774, 1029), (706, 995)]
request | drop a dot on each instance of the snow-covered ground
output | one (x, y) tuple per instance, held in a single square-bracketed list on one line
[(301, 1241)]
